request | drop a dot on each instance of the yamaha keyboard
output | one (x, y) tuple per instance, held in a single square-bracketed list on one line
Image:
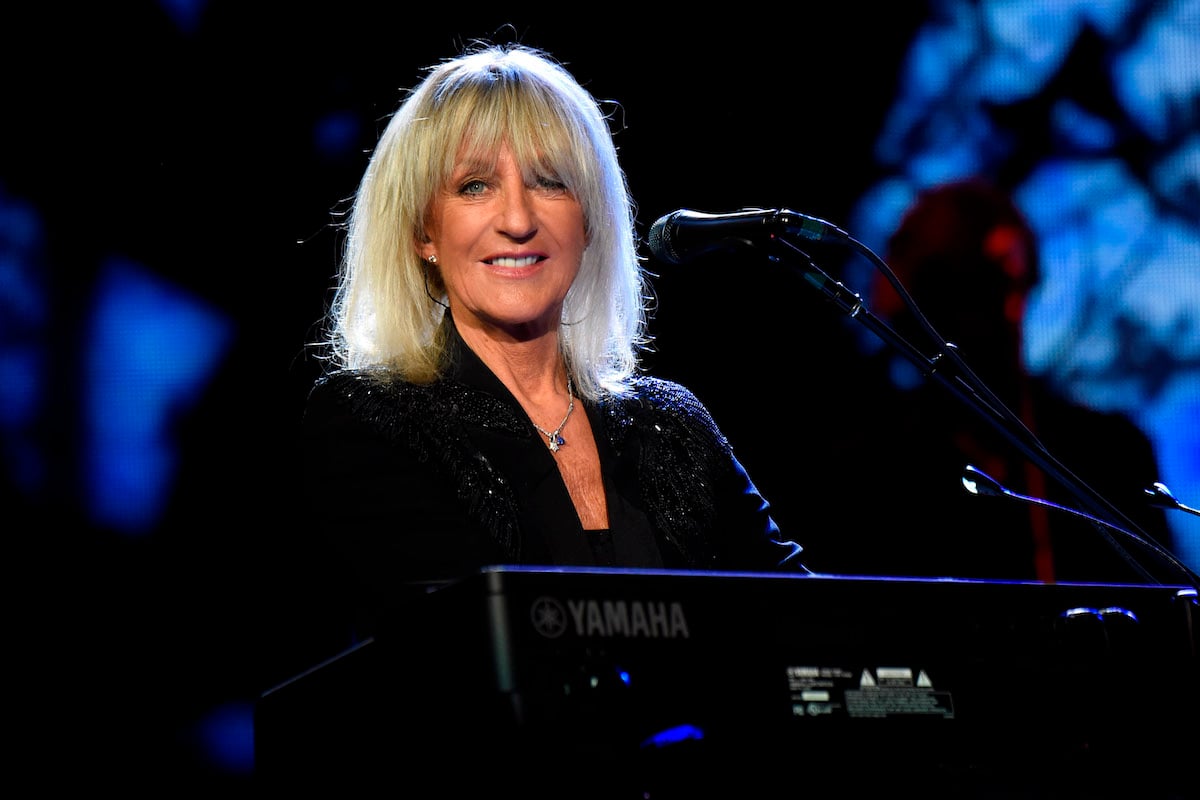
[(669, 682)]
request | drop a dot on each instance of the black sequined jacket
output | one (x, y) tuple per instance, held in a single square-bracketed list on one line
[(427, 482)]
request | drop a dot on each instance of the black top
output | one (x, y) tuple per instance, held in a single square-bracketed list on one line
[(416, 483)]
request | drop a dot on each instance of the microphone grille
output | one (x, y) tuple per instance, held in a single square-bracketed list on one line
[(659, 240)]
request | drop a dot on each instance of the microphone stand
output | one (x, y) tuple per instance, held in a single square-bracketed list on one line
[(948, 369)]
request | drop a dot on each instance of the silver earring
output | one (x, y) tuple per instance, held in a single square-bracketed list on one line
[(432, 259)]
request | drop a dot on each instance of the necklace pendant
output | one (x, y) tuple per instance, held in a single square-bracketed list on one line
[(555, 443)]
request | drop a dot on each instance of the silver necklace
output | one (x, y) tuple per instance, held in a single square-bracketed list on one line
[(554, 438)]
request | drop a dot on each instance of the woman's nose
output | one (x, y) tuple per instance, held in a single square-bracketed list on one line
[(518, 218)]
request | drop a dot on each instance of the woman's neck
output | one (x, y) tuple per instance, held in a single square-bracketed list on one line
[(531, 368)]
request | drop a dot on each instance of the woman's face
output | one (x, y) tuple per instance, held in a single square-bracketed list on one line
[(507, 251)]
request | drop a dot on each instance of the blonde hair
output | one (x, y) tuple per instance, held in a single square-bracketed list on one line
[(388, 304)]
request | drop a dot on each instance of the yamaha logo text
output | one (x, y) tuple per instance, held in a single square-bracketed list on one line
[(632, 619)]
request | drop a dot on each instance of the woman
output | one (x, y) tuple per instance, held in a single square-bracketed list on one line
[(484, 402)]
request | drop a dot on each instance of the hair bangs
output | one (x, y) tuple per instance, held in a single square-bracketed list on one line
[(499, 105)]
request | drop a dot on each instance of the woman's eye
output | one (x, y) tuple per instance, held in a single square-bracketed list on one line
[(476, 186), (551, 183)]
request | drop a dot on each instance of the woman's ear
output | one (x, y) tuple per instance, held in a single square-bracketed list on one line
[(425, 248)]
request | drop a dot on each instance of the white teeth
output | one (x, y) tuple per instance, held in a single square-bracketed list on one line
[(525, 261)]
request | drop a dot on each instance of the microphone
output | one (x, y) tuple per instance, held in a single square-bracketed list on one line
[(1162, 497), (682, 235), (978, 482)]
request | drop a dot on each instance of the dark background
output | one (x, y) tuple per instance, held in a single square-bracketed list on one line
[(190, 139)]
